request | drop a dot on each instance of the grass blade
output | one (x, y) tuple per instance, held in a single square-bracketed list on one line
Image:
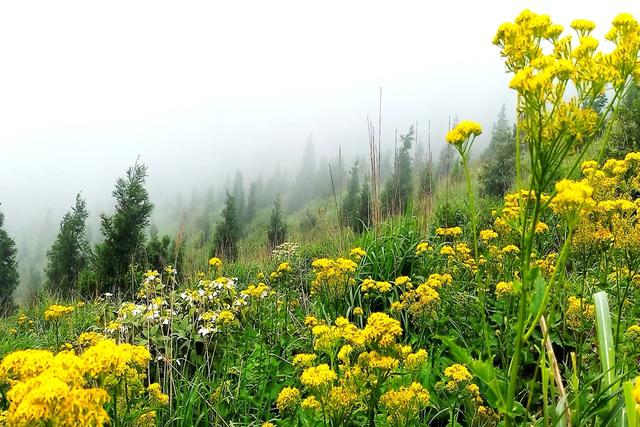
[(605, 343)]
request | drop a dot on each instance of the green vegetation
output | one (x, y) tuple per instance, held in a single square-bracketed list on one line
[(500, 298)]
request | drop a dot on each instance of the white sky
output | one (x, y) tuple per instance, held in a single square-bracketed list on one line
[(86, 87)]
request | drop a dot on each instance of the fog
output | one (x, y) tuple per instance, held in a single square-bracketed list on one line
[(198, 90)]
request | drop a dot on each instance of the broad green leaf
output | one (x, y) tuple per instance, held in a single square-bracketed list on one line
[(605, 343)]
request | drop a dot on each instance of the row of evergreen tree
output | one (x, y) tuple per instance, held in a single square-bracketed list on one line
[(129, 244)]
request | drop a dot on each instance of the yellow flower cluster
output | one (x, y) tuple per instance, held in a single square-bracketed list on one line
[(318, 376), (362, 359), (422, 248), (304, 359), (215, 263), (613, 220), (373, 285), (449, 232), (48, 389), (156, 395), (422, 302), (458, 376), (462, 132), (55, 312), (578, 312), (573, 197), (259, 291), (108, 362), (283, 269), (486, 235), (88, 339), (511, 249), (404, 405), (357, 253), (288, 399), (332, 277), (504, 289), (633, 335)]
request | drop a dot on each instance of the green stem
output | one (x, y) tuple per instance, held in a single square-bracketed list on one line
[(514, 366), (564, 254), (472, 207)]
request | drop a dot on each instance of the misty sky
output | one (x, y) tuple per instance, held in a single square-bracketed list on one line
[(199, 89)]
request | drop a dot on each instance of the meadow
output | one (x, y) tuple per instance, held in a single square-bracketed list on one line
[(474, 312)]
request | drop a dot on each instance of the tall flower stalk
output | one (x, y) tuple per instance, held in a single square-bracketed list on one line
[(545, 63), (462, 138)]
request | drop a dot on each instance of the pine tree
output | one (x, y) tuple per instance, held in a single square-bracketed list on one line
[(238, 195), (306, 178), (351, 201), (252, 203), (398, 188), (498, 173), (428, 179), (364, 210), (157, 250), (124, 231), (227, 231), (9, 277), (70, 252), (277, 233)]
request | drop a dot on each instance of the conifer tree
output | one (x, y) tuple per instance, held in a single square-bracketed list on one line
[(70, 252), (124, 232), (306, 178), (238, 196), (398, 188), (157, 250), (351, 201), (228, 231), (364, 210), (498, 173), (428, 179), (9, 277), (252, 203), (277, 233)]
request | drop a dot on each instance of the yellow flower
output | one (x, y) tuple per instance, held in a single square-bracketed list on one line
[(541, 227), (55, 312), (304, 360), (422, 248), (344, 353), (310, 403), (457, 374), (318, 376), (416, 360), (288, 399), (486, 235), (504, 289), (156, 394), (578, 311), (216, 263), (572, 196), (358, 311), (511, 249), (463, 130), (402, 280), (382, 329), (405, 404), (583, 26), (447, 250), (633, 334), (357, 253)]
